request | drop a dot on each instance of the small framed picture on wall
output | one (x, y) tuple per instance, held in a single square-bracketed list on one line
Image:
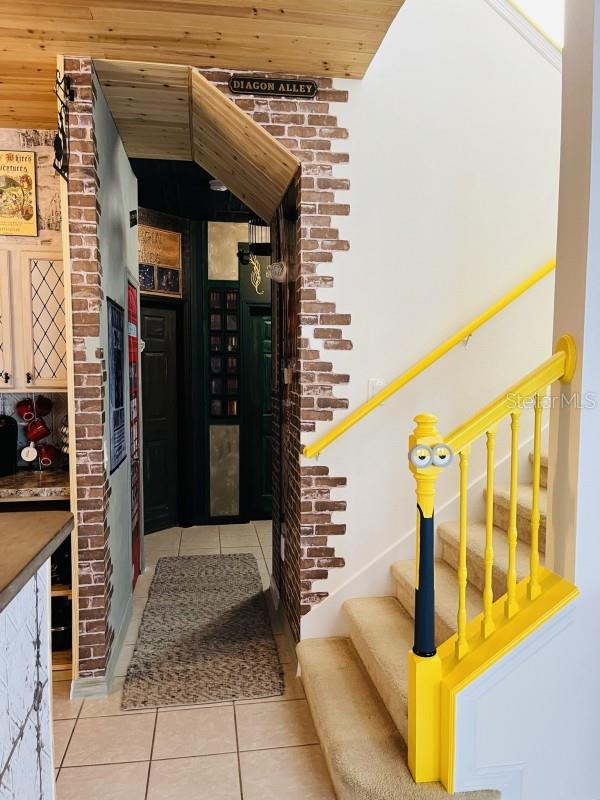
[(160, 265), (18, 211), (116, 384)]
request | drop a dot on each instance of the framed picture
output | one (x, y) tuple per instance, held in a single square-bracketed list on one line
[(116, 384), (18, 212), (159, 256)]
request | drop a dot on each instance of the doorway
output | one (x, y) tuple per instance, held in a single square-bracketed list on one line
[(256, 439), (160, 417)]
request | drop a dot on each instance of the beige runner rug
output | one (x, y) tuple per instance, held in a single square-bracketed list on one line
[(205, 635)]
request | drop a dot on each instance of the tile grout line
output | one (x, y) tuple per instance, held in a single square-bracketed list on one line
[(237, 745), (204, 755), (256, 701), (77, 718), (151, 754)]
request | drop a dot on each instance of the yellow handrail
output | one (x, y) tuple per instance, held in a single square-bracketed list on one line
[(436, 674), (314, 449), (560, 366)]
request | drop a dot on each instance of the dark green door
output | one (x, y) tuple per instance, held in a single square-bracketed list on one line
[(256, 412)]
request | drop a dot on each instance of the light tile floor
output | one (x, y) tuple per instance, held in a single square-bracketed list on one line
[(245, 750)]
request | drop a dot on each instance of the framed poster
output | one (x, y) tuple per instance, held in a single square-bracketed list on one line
[(18, 213), (159, 257), (134, 425), (116, 384)]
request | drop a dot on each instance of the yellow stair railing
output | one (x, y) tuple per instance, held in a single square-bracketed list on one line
[(437, 674), (317, 447)]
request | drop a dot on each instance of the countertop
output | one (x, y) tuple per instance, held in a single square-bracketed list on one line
[(28, 484), (28, 539)]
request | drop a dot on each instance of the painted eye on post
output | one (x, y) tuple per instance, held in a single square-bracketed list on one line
[(442, 455), (420, 456)]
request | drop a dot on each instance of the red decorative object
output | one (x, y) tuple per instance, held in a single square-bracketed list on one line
[(134, 425), (25, 409), (48, 454), (37, 429), (43, 406)]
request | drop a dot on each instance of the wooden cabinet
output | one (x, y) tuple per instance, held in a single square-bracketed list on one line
[(33, 346)]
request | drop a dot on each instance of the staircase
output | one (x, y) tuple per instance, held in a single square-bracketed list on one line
[(357, 688)]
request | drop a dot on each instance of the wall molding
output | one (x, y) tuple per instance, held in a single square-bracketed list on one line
[(507, 778), (528, 29)]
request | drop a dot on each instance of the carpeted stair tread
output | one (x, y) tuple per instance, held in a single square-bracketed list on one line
[(446, 596), (364, 751), (448, 533), (524, 493), (383, 633)]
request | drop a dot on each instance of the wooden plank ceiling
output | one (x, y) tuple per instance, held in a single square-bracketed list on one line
[(310, 37), (150, 104), (173, 112)]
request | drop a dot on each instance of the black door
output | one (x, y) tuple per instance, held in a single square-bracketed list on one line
[(159, 398), (257, 412)]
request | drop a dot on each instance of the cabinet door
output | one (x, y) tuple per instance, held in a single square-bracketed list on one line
[(44, 329), (6, 325)]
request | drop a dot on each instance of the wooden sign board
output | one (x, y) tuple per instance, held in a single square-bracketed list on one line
[(159, 256), (18, 215), (272, 87)]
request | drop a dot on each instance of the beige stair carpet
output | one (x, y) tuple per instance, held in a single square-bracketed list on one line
[(205, 635), (381, 632), (365, 753)]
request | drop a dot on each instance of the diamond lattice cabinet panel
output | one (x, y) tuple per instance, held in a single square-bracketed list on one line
[(48, 318)]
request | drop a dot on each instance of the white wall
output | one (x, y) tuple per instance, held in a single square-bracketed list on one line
[(454, 152), (548, 14), (118, 252), (509, 723), (553, 694)]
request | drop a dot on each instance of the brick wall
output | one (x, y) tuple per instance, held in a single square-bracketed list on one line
[(309, 127), (93, 491)]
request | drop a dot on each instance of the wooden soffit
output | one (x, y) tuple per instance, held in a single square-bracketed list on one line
[(308, 37), (150, 104), (234, 148), (172, 112)]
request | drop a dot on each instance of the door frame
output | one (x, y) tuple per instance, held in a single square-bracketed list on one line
[(160, 304), (192, 509)]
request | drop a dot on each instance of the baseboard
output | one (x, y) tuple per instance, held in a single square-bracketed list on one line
[(277, 611), (101, 686), (275, 596)]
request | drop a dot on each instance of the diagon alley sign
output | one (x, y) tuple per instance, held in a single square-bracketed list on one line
[(282, 87)]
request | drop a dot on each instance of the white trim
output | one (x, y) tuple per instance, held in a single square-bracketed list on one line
[(470, 775), (531, 32)]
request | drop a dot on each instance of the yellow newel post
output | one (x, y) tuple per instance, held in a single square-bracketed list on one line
[(425, 666)]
